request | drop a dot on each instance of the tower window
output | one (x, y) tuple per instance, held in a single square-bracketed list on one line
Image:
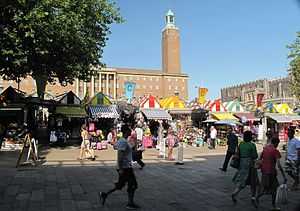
[(171, 19)]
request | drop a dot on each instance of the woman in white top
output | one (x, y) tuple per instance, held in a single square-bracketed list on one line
[(85, 145)]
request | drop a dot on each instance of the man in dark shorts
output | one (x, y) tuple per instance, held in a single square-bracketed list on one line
[(126, 173)]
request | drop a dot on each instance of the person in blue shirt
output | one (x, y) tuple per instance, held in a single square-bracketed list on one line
[(293, 158), (124, 168)]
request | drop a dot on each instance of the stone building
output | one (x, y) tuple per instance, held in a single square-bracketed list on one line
[(111, 81), (274, 90)]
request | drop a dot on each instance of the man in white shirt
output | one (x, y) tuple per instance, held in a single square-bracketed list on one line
[(213, 136), (293, 158)]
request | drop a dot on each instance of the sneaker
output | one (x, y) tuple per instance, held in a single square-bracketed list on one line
[(103, 197), (132, 206)]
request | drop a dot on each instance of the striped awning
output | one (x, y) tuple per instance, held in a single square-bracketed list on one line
[(156, 114), (101, 111)]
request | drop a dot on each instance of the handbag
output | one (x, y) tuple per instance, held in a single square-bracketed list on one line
[(281, 194), (235, 161)]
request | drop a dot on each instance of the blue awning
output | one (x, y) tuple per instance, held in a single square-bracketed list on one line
[(156, 114), (101, 111)]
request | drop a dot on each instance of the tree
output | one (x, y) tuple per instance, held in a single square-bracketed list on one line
[(294, 68), (54, 39)]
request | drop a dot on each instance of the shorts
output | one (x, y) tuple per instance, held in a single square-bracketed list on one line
[(127, 176), (85, 144)]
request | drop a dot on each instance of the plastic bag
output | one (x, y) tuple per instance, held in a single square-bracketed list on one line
[(281, 194)]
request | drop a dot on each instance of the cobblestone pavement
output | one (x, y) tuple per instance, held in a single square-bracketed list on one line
[(197, 185)]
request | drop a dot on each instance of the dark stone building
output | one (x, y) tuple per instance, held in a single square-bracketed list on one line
[(274, 90)]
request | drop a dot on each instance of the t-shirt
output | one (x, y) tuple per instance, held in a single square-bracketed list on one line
[(124, 153), (269, 156), (139, 133), (293, 146), (248, 150), (213, 134)]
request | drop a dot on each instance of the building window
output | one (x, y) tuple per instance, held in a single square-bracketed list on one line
[(169, 80), (138, 86), (144, 86), (151, 87), (130, 78), (182, 80), (176, 80), (117, 86), (170, 87), (144, 79), (157, 79), (137, 78), (151, 79), (183, 88), (157, 87), (176, 87)]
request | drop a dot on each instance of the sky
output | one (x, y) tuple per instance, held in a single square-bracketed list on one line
[(223, 43)]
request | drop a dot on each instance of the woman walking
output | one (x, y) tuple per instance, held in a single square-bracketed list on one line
[(171, 143), (85, 144), (270, 157), (246, 174)]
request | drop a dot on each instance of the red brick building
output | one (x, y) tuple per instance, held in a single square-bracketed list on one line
[(110, 81)]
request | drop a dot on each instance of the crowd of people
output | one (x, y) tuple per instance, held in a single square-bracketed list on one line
[(128, 141), (249, 163)]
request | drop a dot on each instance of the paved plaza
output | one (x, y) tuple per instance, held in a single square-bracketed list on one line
[(62, 183)]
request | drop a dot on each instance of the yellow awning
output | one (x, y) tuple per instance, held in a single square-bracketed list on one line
[(283, 108), (224, 116), (172, 102)]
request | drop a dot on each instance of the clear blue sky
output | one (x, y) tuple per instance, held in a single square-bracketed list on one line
[(223, 43)]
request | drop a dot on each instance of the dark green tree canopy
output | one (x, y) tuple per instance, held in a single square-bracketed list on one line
[(294, 68), (50, 39)]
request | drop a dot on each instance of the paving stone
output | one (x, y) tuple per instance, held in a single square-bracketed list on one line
[(37, 195), (12, 190)]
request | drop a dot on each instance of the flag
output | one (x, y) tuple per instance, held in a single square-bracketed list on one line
[(202, 95), (129, 90), (259, 99)]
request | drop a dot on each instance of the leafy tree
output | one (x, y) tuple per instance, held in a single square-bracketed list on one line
[(54, 39), (294, 69)]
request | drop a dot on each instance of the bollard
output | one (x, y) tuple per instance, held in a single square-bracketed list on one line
[(180, 154)]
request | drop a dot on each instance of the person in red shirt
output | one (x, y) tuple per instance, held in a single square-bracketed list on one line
[(270, 157)]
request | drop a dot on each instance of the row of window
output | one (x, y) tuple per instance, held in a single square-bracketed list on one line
[(137, 78)]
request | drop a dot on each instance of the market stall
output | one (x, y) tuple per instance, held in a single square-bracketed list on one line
[(149, 102), (279, 123), (69, 115)]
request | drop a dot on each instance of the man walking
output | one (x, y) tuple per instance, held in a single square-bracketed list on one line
[(126, 173), (293, 158), (139, 147), (213, 136), (232, 142)]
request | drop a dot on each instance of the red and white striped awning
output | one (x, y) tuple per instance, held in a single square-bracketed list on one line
[(216, 106), (150, 102)]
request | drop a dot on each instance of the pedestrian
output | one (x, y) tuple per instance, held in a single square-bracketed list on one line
[(293, 158), (171, 144), (139, 147), (246, 174), (125, 170), (270, 157), (213, 136), (269, 136), (85, 145), (232, 142)]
